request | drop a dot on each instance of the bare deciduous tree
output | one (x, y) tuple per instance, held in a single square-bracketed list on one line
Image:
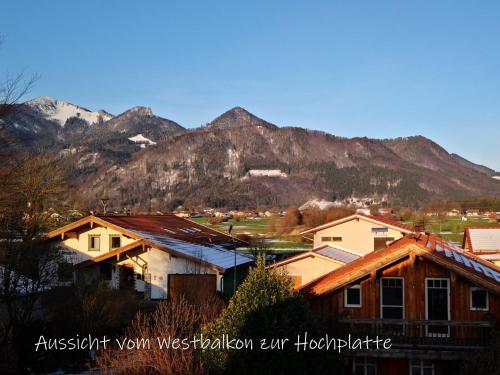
[(29, 186), (28, 264), (177, 319), (13, 88)]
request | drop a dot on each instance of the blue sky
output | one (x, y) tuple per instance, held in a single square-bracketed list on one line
[(352, 68)]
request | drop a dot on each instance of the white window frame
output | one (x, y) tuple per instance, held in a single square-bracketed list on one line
[(111, 236), (476, 288), (356, 286), (381, 295), (427, 302), (93, 249), (422, 367)]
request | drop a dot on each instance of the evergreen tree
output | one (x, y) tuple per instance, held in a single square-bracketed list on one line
[(266, 307)]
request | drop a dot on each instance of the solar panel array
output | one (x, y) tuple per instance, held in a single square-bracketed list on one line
[(458, 255), (213, 254), (337, 254)]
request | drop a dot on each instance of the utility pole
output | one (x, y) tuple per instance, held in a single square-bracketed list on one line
[(104, 202), (234, 249)]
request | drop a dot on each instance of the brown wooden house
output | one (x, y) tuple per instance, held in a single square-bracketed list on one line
[(435, 301)]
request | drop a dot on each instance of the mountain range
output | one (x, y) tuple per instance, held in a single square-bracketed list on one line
[(144, 161)]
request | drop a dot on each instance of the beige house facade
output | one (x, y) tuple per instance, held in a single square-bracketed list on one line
[(310, 265), (359, 233)]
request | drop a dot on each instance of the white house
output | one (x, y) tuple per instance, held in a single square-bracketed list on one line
[(152, 254)]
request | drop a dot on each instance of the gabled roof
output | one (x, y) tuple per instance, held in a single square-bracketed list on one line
[(374, 219), (327, 252), (430, 247), (482, 239), (170, 233)]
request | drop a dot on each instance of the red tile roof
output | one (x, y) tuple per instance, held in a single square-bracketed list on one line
[(172, 226), (168, 232), (379, 219), (392, 222)]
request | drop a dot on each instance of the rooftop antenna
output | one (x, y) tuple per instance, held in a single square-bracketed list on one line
[(229, 230), (104, 202)]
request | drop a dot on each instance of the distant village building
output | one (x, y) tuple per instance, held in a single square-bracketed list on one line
[(473, 212), (183, 214), (385, 211), (160, 256), (483, 242), (266, 173), (359, 233), (434, 301)]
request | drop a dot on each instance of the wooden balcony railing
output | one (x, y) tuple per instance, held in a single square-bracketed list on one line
[(457, 334)]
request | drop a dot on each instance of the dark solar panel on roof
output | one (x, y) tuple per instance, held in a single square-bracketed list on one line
[(337, 254)]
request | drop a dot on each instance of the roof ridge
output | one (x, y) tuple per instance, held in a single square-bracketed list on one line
[(380, 219)]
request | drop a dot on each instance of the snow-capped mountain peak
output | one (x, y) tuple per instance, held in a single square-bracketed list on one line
[(60, 111)]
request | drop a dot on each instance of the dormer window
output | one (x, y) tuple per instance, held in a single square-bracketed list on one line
[(94, 242), (114, 242)]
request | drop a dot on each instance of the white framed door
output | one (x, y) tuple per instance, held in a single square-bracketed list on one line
[(437, 305)]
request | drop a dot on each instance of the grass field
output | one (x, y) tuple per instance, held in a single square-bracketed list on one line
[(452, 229), (259, 227)]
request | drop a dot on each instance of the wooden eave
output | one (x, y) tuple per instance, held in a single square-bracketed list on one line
[(362, 271), (307, 254), (90, 220), (464, 272), (111, 254), (144, 244)]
